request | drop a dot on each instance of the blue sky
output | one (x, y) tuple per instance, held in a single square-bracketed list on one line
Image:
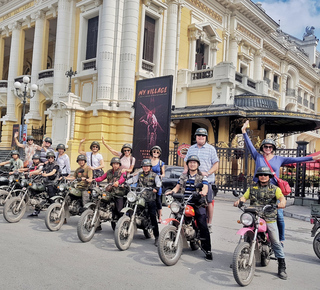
[(294, 15)]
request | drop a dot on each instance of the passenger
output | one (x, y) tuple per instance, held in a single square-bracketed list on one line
[(46, 147), (63, 160)]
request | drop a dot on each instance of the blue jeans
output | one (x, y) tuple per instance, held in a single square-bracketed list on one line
[(274, 238), (280, 223)]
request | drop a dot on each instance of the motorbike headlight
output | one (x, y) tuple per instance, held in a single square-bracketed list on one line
[(175, 207), (24, 182), (95, 193), (62, 187), (246, 219), (131, 196), (11, 178)]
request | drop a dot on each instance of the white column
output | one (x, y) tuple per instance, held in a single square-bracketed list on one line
[(13, 70), (192, 52), (213, 54), (128, 50), (233, 51), (36, 63), (62, 50), (283, 91), (106, 50), (257, 73), (171, 39)]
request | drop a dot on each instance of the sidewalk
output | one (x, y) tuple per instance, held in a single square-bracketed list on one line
[(293, 211)]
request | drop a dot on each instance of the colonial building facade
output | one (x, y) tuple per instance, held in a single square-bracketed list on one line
[(229, 59)]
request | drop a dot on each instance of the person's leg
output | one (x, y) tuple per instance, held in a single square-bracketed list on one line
[(201, 218), (281, 225), (159, 207), (85, 197), (152, 210), (210, 207)]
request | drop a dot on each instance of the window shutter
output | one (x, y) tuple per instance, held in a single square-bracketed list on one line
[(92, 37), (149, 33)]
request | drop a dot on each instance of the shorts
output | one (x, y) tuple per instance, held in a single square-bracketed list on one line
[(212, 192)]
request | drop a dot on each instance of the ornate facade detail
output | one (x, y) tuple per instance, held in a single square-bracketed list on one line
[(207, 10), (302, 83), (271, 63), (248, 33)]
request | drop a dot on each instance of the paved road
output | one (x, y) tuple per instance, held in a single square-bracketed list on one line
[(34, 258)]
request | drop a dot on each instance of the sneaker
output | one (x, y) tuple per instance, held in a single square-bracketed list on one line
[(34, 214), (208, 256), (210, 228), (156, 241)]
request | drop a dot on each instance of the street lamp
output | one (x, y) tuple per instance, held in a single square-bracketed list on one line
[(22, 90)]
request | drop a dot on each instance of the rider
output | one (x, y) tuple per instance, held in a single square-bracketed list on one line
[(265, 193), (36, 165), (187, 183), (116, 178), (15, 162), (147, 178), (46, 147), (63, 160)]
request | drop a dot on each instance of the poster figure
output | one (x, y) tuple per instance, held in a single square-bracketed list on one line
[(150, 120)]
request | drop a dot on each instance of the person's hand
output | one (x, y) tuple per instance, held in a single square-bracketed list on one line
[(316, 157), (43, 144), (124, 170), (10, 173), (44, 174), (88, 179), (205, 173), (282, 204), (245, 126), (202, 194), (82, 140), (236, 203), (83, 178), (91, 167), (102, 139), (116, 184), (168, 192), (154, 190), (16, 134)]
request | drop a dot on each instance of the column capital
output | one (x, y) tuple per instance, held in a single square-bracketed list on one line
[(14, 26), (38, 15)]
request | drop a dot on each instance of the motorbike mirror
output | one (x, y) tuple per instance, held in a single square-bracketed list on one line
[(199, 185), (235, 193)]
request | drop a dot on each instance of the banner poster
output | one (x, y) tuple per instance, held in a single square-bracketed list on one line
[(15, 128), (23, 133), (152, 117)]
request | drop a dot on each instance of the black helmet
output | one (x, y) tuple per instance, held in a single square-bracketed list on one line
[(146, 162), (15, 152), (193, 158), (156, 148), (264, 170), (95, 143), (48, 139), (201, 131), (50, 154), (268, 141), (61, 146), (115, 160), (82, 157), (36, 156), (126, 145), (30, 137)]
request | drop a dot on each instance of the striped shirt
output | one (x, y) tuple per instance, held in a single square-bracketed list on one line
[(191, 186)]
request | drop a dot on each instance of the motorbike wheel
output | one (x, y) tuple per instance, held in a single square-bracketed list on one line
[(10, 212), (85, 230), (122, 236), (242, 272), (168, 253), (194, 245), (3, 195), (316, 245), (52, 220)]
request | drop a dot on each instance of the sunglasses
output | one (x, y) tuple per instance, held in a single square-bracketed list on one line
[(158, 152), (50, 157), (270, 147), (202, 135), (126, 150), (95, 147), (263, 175)]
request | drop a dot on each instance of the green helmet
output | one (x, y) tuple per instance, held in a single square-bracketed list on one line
[(201, 131), (146, 162), (264, 170), (36, 156), (95, 143), (82, 157), (50, 154), (156, 147), (268, 141), (61, 146), (15, 152), (126, 145), (193, 158), (115, 160), (48, 139), (30, 137)]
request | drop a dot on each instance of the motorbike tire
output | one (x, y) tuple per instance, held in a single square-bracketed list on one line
[(168, 254), (53, 223), (194, 246), (3, 196), (84, 229), (242, 273), (316, 244), (10, 212), (122, 237)]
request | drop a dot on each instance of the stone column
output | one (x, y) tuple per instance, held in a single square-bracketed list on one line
[(37, 62), (192, 51), (233, 51), (257, 72), (171, 38), (283, 91), (106, 50), (213, 54), (128, 50)]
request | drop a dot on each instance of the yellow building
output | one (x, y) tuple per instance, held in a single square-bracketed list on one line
[(230, 61)]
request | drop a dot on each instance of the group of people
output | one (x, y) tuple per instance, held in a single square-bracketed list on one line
[(201, 164)]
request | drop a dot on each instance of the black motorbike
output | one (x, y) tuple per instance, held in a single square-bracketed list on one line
[(315, 220), (13, 184)]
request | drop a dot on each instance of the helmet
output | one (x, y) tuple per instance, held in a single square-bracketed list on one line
[(126, 145), (50, 154), (193, 158), (115, 160), (95, 143), (36, 156), (155, 148), (30, 137), (48, 139), (146, 162), (264, 170), (15, 152), (201, 131), (61, 146), (81, 157), (268, 141)]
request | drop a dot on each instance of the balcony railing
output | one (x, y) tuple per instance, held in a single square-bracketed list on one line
[(202, 74), (299, 99), (291, 92), (89, 64), (148, 66), (305, 103), (312, 106), (251, 84), (48, 73), (238, 77), (276, 87), (3, 84), (268, 81)]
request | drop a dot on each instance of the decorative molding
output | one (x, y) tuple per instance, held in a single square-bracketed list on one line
[(302, 83), (207, 10), (271, 63), (248, 33)]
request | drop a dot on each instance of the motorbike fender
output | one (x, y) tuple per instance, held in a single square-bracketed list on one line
[(173, 221), (89, 205), (243, 231), (126, 209), (56, 199), (262, 226)]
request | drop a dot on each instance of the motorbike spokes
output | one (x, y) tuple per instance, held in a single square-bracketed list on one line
[(14, 210), (168, 252), (54, 218), (86, 227), (122, 236), (242, 272), (3, 196)]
